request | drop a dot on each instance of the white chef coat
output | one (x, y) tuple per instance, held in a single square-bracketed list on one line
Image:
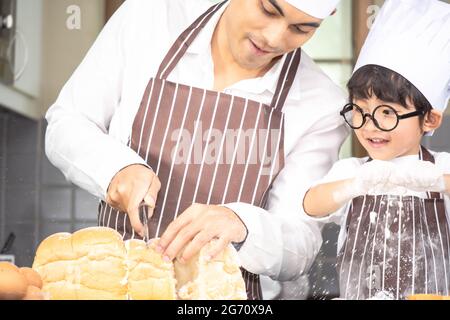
[(90, 123), (346, 169)]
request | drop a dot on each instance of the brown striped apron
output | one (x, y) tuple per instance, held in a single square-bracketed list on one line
[(395, 246), (205, 146)]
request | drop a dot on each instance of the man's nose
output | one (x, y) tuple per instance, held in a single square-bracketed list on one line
[(274, 35)]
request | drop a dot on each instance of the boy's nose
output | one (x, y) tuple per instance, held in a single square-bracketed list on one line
[(370, 125)]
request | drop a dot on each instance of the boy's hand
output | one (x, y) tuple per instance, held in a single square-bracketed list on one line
[(422, 176), (372, 176)]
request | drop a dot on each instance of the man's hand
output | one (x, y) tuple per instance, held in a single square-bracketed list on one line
[(196, 227), (131, 186)]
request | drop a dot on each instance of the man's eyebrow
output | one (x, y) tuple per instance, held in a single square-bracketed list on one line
[(306, 24), (277, 6)]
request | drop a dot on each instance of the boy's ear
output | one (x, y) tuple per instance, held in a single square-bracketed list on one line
[(432, 120)]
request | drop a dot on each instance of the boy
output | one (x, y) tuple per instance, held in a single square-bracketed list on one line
[(394, 206)]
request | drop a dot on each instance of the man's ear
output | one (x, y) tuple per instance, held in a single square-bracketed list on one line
[(432, 120)]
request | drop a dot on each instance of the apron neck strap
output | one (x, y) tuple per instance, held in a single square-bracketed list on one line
[(426, 155), (183, 42), (286, 79)]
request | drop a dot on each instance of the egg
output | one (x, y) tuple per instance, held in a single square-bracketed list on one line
[(13, 284), (33, 278), (34, 293)]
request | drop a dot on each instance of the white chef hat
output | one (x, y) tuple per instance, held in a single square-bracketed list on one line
[(317, 8), (412, 38)]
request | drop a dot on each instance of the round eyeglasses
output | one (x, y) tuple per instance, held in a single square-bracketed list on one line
[(384, 117)]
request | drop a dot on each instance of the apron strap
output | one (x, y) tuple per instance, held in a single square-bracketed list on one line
[(183, 42), (286, 79), (426, 155)]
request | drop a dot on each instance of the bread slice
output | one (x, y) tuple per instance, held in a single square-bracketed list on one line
[(149, 276), (218, 279)]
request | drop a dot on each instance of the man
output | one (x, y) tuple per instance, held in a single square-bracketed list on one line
[(211, 117)]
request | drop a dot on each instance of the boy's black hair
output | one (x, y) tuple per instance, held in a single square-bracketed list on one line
[(386, 85)]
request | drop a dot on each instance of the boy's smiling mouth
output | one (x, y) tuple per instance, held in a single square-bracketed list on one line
[(377, 142)]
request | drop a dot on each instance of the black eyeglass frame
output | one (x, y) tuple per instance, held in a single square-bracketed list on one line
[(371, 116)]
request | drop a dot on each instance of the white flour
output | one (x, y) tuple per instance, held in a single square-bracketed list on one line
[(382, 295), (373, 217)]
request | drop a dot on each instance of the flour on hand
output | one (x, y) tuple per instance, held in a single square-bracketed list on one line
[(383, 177), (419, 176)]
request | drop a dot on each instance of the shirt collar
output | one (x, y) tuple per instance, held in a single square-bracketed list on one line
[(268, 82)]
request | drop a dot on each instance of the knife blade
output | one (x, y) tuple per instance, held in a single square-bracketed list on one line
[(144, 208)]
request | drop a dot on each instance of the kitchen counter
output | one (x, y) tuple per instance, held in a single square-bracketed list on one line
[(19, 102)]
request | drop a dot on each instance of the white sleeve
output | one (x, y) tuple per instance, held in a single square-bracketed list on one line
[(281, 243), (442, 160), (341, 170), (77, 140)]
